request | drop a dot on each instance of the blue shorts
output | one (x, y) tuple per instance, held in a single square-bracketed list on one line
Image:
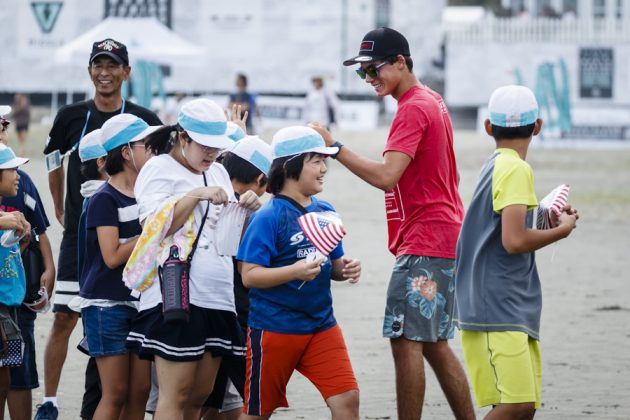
[(25, 377), (106, 329)]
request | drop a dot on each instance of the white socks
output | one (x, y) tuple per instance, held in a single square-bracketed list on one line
[(51, 399)]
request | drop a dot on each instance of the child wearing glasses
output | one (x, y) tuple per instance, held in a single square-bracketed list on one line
[(419, 177)]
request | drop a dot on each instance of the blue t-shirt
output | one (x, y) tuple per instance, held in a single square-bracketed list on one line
[(107, 207), (12, 280), (274, 239), (28, 202)]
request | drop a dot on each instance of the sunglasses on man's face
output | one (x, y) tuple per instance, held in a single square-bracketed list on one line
[(371, 71)]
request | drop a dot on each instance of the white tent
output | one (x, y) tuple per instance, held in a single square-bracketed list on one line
[(146, 39)]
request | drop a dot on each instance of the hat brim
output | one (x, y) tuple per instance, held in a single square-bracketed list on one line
[(4, 110), (361, 59), (328, 151), (13, 163), (146, 132), (219, 141), (109, 54)]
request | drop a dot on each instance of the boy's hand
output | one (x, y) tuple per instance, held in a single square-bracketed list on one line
[(568, 221), (307, 270), (249, 200), (351, 270)]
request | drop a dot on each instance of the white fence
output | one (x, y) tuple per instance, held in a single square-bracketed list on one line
[(543, 30)]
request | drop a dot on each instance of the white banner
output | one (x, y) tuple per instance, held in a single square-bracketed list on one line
[(44, 26)]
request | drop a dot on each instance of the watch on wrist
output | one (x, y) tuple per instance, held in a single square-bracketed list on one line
[(336, 144)]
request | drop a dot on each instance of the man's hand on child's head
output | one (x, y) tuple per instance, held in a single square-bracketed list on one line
[(351, 270), (322, 132)]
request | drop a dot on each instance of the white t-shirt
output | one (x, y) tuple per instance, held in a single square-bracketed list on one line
[(211, 275)]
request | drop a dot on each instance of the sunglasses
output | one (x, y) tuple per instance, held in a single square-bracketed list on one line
[(371, 71)]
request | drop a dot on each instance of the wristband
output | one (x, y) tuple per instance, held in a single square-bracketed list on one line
[(336, 144)]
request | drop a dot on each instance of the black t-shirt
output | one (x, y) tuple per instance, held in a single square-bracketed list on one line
[(64, 134)]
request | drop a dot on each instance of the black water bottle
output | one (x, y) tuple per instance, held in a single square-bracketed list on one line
[(174, 285)]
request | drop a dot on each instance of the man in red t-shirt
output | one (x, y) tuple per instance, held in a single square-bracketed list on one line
[(424, 215)]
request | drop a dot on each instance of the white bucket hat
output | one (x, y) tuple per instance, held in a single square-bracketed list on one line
[(124, 128), (256, 151), (205, 123), (8, 160), (513, 106), (299, 139), (91, 147)]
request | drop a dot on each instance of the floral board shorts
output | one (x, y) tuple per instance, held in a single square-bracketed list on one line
[(420, 299)]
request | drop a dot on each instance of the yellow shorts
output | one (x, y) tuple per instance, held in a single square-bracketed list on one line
[(504, 367)]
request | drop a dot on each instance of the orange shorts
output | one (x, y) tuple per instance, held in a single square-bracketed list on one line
[(272, 357)]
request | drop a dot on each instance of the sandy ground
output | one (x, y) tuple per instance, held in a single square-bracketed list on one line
[(586, 317)]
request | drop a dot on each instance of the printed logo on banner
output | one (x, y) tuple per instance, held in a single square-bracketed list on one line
[(46, 14)]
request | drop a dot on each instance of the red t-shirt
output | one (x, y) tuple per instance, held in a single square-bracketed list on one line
[(424, 210)]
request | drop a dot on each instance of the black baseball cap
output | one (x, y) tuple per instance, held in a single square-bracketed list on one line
[(111, 48), (378, 44)]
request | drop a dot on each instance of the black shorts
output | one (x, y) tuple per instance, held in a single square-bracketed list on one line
[(208, 330)]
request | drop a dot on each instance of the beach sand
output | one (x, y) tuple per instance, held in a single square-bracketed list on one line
[(585, 337)]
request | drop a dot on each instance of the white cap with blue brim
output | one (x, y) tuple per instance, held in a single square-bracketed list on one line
[(256, 151), (299, 139), (204, 121), (8, 160), (124, 128), (513, 106), (91, 147)]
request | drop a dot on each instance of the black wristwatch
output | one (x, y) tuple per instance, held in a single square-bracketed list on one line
[(336, 144)]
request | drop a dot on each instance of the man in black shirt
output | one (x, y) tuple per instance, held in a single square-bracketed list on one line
[(108, 68)]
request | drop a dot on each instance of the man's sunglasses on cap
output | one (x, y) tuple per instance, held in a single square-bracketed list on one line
[(371, 71)]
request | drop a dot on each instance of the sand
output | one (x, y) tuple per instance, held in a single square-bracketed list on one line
[(585, 335)]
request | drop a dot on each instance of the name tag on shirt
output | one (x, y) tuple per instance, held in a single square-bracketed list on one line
[(29, 202), (53, 160)]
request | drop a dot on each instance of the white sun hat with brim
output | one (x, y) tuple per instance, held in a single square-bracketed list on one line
[(91, 146), (124, 128), (255, 151), (8, 160), (234, 132), (299, 139), (204, 121)]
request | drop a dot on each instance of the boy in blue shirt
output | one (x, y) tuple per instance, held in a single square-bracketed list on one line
[(497, 286), (293, 326)]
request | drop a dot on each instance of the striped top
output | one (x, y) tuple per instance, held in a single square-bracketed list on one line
[(107, 207)]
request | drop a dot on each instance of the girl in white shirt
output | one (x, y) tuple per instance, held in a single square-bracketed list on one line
[(187, 354)]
